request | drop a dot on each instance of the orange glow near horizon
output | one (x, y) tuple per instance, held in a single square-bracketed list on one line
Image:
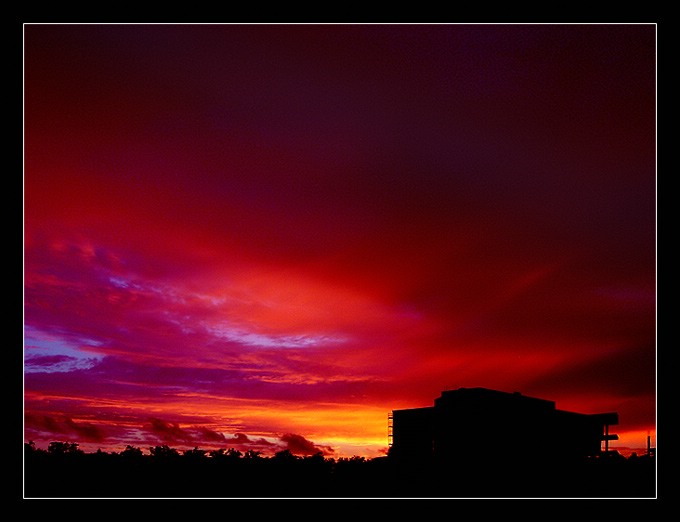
[(633, 441)]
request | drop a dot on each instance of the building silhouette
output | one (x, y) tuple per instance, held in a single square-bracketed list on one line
[(477, 423)]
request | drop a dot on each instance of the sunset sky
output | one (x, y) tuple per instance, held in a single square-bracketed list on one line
[(269, 236)]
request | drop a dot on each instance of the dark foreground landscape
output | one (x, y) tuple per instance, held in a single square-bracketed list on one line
[(64, 471)]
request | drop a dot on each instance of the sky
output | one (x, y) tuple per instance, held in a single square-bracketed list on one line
[(268, 236)]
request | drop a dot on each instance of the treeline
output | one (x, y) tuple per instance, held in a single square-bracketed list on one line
[(65, 471)]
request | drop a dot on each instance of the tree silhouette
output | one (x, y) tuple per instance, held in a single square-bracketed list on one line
[(132, 453), (64, 448), (163, 452), (285, 456), (234, 454), (195, 454), (64, 470), (252, 454), (217, 454)]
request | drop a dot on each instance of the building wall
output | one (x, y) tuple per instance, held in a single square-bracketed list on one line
[(412, 432), (477, 424)]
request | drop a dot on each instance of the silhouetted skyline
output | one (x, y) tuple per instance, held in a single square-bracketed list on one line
[(65, 471), (469, 425)]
